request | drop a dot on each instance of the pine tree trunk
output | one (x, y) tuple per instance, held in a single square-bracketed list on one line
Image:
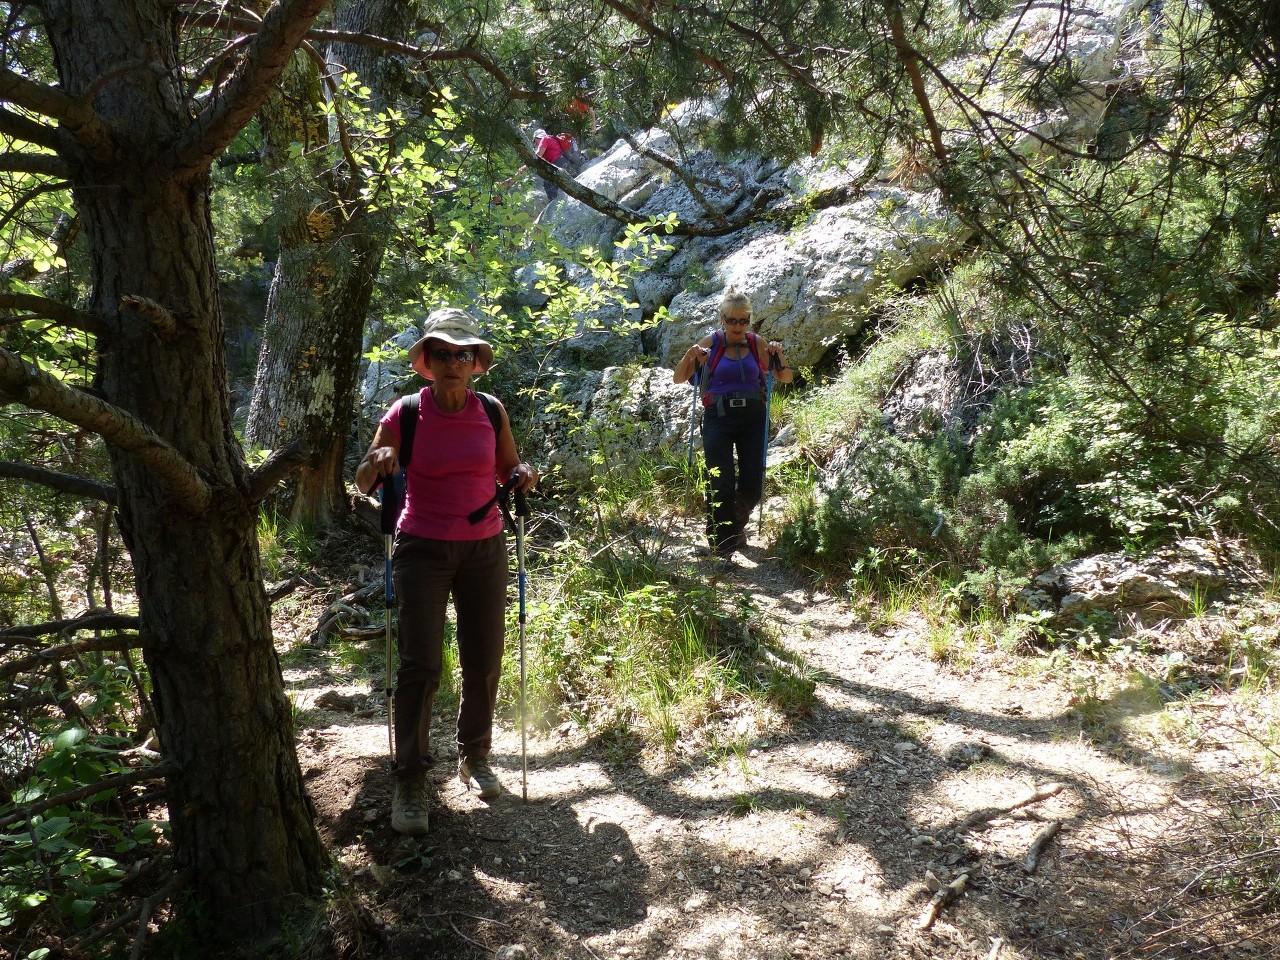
[(239, 812)]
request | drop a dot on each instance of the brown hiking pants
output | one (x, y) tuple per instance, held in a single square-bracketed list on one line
[(426, 572)]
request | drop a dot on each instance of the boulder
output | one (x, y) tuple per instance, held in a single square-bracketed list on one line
[(643, 412), (1175, 580)]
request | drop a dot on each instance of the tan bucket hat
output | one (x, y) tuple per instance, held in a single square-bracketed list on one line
[(454, 326)]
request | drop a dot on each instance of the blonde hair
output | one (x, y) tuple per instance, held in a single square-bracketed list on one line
[(732, 298)]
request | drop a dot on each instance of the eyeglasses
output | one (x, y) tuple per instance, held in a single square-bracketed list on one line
[(444, 356), (736, 321)]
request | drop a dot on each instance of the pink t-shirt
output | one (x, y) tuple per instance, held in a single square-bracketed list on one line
[(452, 472)]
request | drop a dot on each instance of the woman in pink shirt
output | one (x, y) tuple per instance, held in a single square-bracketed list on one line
[(457, 459)]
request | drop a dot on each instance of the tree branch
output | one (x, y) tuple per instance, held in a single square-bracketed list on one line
[(96, 620), (689, 181), (911, 62), (45, 164), (37, 306), (74, 114), (479, 58), (648, 26), (161, 320), (282, 29), (29, 131), (67, 651), (37, 389), (275, 468), (616, 211), (39, 98), (64, 482), (138, 775)]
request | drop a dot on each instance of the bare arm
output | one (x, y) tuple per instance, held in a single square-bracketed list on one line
[(692, 360), (381, 460), (508, 460), (785, 374)]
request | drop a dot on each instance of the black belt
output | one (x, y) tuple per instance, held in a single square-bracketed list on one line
[(724, 402)]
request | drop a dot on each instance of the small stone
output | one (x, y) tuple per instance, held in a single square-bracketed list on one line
[(571, 881), (383, 876), (826, 889), (513, 951), (608, 886), (805, 873), (696, 902), (680, 875), (905, 746), (454, 875)]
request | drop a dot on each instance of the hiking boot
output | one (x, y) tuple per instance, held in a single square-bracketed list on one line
[(725, 565), (476, 773), (409, 807)]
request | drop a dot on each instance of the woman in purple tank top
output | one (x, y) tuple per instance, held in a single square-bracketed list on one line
[(731, 365)]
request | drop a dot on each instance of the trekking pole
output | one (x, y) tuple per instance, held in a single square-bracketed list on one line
[(693, 410), (774, 364), (390, 499), (522, 511)]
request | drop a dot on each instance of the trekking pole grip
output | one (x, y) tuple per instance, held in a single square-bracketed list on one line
[(522, 505)]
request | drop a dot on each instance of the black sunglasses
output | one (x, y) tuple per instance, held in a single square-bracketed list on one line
[(462, 356)]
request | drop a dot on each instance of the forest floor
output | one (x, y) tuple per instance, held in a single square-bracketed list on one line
[(836, 835)]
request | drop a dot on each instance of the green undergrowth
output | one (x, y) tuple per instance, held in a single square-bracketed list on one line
[(650, 657)]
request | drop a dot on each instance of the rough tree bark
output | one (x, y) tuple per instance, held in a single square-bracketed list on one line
[(139, 155), (330, 253)]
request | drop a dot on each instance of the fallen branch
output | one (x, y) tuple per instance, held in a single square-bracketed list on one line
[(283, 588), (70, 651), (139, 775), (340, 608), (146, 907), (1046, 834), (1042, 792), (941, 898), (88, 621), (362, 633)]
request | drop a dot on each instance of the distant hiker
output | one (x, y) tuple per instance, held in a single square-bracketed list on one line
[(731, 364), (571, 156), (549, 149), (463, 445)]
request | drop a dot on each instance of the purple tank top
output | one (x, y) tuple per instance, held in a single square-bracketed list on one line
[(734, 375)]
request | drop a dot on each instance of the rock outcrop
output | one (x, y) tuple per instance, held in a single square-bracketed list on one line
[(1173, 581)]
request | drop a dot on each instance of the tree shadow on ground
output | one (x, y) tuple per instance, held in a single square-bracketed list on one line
[(872, 794)]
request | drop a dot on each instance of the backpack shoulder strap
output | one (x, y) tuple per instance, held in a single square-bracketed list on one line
[(490, 403), (717, 350), (408, 427), (753, 342)]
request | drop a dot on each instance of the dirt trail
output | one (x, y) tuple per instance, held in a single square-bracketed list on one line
[(822, 840)]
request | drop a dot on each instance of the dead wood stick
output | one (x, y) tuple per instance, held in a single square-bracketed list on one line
[(137, 775), (1042, 792), (941, 898), (148, 906), (1047, 833), (362, 633)]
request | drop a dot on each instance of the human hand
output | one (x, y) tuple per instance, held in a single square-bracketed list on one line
[(525, 476), (383, 460), (697, 354)]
